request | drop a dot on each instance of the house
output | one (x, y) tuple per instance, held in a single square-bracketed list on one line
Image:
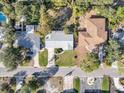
[(94, 33), (58, 39), (29, 40)]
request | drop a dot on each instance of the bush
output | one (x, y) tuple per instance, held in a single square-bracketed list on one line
[(58, 50), (122, 81)]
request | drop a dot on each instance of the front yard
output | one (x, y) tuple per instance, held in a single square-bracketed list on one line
[(76, 84), (66, 59), (105, 84), (43, 58), (120, 68)]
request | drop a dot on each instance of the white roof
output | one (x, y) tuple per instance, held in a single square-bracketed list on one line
[(59, 36)]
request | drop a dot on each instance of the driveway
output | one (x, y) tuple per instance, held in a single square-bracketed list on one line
[(51, 57), (68, 82), (95, 88), (36, 60), (117, 84)]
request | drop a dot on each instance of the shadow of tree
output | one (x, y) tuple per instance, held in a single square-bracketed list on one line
[(40, 78), (70, 91)]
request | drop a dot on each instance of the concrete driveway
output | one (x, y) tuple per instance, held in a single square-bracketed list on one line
[(95, 88), (36, 60), (51, 57), (118, 85)]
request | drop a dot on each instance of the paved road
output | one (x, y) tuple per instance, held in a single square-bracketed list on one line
[(55, 71)]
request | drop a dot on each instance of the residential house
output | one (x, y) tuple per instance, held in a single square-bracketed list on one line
[(58, 39), (94, 33), (28, 39)]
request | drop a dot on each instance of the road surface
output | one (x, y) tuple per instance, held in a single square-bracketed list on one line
[(61, 71)]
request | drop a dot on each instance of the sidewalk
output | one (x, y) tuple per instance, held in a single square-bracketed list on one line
[(36, 60), (117, 84), (68, 83), (51, 57)]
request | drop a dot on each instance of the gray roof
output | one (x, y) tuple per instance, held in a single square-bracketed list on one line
[(59, 36), (28, 40)]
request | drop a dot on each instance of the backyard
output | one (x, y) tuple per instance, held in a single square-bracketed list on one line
[(66, 59), (43, 58)]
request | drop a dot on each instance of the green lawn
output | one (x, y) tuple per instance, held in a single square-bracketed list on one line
[(25, 63), (43, 58), (120, 68), (76, 84), (66, 59), (105, 84)]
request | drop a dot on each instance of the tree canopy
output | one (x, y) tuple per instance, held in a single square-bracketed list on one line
[(11, 57), (90, 63), (112, 52)]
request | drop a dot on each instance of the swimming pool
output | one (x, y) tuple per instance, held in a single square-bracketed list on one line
[(3, 18)]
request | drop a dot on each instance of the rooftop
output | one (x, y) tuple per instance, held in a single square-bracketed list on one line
[(59, 36)]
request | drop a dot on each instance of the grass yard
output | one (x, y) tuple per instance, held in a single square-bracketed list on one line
[(66, 59), (76, 84), (43, 58), (105, 84), (26, 63), (120, 68)]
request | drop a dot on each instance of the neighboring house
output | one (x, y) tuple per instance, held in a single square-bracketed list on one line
[(94, 33), (28, 39), (58, 39)]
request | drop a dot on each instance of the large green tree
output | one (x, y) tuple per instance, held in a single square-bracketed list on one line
[(11, 57), (45, 21), (28, 9), (113, 52), (90, 62), (9, 34), (8, 9)]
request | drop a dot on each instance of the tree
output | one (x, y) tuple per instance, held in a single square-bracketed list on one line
[(112, 52), (33, 84), (90, 63), (45, 21), (5, 87), (11, 57), (9, 35), (8, 9), (100, 2), (25, 89), (119, 13)]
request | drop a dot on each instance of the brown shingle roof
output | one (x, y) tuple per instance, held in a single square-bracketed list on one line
[(99, 23)]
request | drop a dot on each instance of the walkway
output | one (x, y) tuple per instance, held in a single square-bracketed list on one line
[(36, 60), (51, 57), (68, 83), (117, 84)]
